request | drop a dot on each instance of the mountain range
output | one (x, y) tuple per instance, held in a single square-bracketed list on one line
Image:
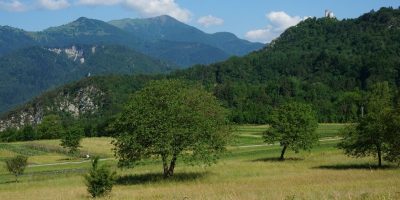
[(329, 63), (33, 62), (158, 37)]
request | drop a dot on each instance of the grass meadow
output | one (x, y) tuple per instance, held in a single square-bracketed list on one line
[(249, 170)]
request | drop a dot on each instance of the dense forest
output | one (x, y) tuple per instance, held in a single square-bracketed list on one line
[(325, 62), (328, 63)]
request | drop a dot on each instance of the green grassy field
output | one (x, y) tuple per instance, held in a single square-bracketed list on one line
[(245, 172)]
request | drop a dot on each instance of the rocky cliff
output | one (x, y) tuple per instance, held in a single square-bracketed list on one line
[(81, 101)]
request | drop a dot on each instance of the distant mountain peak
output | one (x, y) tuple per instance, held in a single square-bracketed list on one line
[(82, 19), (165, 18), (226, 35)]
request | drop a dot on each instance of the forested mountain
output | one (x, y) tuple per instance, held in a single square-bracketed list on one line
[(12, 39), (30, 71), (167, 28), (201, 49), (84, 31), (329, 63), (325, 62), (23, 55)]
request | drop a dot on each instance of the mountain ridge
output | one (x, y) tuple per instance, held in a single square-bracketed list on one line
[(92, 31), (167, 28)]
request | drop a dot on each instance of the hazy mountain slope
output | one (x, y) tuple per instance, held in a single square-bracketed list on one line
[(167, 28), (28, 72), (12, 39), (85, 31), (203, 49)]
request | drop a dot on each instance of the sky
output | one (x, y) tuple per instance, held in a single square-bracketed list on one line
[(254, 20)]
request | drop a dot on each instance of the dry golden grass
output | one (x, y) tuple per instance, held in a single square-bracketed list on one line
[(244, 173), (250, 173)]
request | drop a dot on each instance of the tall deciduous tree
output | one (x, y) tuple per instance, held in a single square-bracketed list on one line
[(71, 139), (376, 134), (366, 137), (393, 138), (293, 125), (50, 127), (171, 119)]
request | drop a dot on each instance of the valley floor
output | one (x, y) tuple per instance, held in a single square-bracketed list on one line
[(248, 171)]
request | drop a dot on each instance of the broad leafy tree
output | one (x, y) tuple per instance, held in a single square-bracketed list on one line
[(393, 138), (171, 119), (366, 137), (50, 128), (293, 125), (377, 133), (17, 165), (71, 139)]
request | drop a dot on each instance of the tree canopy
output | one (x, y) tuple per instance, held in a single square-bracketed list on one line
[(376, 134), (171, 119), (71, 138), (293, 125), (50, 128)]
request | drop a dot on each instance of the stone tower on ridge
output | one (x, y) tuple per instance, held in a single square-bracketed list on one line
[(329, 14)]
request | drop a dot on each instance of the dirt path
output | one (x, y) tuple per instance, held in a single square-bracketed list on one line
[(66, 163), (104, 159)]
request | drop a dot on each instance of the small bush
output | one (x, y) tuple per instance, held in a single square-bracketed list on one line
[(17, 165), (100, 180)]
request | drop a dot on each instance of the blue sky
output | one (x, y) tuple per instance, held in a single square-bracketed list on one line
[(256, 20)]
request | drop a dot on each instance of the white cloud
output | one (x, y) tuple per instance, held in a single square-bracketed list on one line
[(148, 8), (151, 8), (54, 4), (210, 20), (13, 6), (279, 22), (282, 21), (262, 35), (99, 2)]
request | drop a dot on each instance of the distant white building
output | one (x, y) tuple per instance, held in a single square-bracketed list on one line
[(329, 14)]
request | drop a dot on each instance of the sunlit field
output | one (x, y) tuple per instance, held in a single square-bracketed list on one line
[(249, 170)]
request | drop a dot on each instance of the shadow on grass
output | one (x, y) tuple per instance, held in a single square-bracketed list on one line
[(275, 159), (355, 166), (157, 177), (8, 182)]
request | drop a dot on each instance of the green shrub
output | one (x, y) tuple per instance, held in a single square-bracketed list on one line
[(100, 180), (17, 165)]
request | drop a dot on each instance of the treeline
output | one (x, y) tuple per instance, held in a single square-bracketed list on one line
[(51, 127)]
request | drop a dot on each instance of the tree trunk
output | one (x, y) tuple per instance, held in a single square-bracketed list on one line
[(165, 165), (283, 153), (169, 170), (172, 166), (379, 156)]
